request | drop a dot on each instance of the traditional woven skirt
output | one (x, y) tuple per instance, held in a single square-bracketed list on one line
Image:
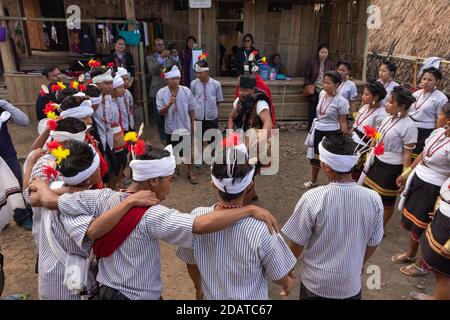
[(382, 178), (318, 136), (422, 135), (419, 203), (431, 243)]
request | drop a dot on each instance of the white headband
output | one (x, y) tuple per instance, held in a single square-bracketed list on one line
[(4, 117), (83, 175), (232, 185), (144, 170), (200, 69), (82, 111), (103, 77), (62, 136), (122, 72), (174, 73), (117, 82), (79, 94), (96, 100), (337, 162)]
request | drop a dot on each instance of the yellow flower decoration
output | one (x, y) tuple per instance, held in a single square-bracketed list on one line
[(377, 136), (51, 115), (60, 154), (130, 136), (75, 84), (61, 85), (264, 59)]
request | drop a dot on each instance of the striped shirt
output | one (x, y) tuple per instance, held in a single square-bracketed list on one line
[(69, 230), (134, 268), (237, 262), (126, 109), (38, 172), (335, 223)]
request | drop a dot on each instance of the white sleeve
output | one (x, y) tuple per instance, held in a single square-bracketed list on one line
[(235, 103), (169, 225), (261, 106), (219, 94), (159, 100), (353, 91)]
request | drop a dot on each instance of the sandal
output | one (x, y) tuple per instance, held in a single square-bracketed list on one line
[(400, 258), (412, 270), (192, 178), (309, 185), (415, 295)]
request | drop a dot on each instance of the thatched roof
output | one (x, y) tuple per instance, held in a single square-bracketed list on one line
[(421, 27)]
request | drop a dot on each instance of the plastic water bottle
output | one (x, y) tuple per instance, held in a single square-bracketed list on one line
[(273, 74)]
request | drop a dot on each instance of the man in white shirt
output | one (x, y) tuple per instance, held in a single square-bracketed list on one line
[(208, 95), (337, 227)]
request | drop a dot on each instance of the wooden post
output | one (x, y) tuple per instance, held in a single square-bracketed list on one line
[(199, 31), (130, 14), (9, 64)]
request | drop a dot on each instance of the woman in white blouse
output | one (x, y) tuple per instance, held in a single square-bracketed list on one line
[(428, 105), (431, 169), (399, 137), (370, 114), (331, 118), (386, 74)]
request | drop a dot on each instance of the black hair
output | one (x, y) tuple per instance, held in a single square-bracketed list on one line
[(190, 38), (49, 69), (403, 97), (98, 71), (322, 46), (434, 71), (376, 89), (154, 154), (80, 158), (202, 64), (446, 110), (339, 144), (219, 170), (93, 91), (334, 76), (120, 38), (390, 65), (72, 102), (249, 35), (273, 57), (71, 125), (345, 63), (63, 94)]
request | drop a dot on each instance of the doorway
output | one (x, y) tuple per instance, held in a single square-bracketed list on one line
[(230, 27)]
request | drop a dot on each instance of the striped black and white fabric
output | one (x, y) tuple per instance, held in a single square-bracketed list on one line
[(134, 268), (335, 223), (51, 270), (237, 262), (37, 172), (69, 227)]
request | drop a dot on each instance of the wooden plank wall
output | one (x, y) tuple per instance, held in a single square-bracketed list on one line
[(23, 90), (344, 28)]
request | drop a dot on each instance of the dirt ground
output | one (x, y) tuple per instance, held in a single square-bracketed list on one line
[(278, 193)]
